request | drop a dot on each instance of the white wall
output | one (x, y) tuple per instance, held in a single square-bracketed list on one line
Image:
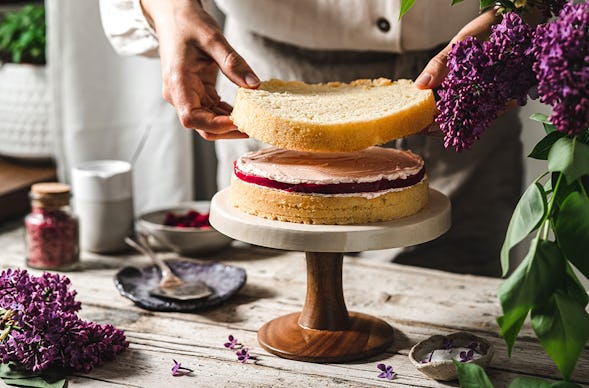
[(531, 134)]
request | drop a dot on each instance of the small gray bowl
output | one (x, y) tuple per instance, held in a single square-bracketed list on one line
[(445, 370), (185, 241)]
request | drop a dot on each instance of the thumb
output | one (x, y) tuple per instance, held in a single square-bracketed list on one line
[(435, 71)]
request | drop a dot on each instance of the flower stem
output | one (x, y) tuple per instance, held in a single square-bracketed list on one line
[(548, 215), (580, 182)]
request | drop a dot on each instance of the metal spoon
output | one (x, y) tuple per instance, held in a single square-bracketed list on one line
[(171, 286)]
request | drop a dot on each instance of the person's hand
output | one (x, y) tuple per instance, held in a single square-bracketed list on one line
[(192, 50), (436, 70)]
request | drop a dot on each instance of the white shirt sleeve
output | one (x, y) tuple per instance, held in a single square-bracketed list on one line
[(127, 28)]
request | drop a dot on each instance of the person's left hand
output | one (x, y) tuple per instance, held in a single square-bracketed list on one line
[(436, 70)]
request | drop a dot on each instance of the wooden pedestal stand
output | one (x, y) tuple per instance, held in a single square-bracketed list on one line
[(325, 331)]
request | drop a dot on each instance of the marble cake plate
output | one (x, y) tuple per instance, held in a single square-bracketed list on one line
[(426, 225), (324, 331)]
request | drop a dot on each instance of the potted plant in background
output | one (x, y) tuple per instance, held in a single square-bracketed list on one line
[(550, 62), (24, 94)]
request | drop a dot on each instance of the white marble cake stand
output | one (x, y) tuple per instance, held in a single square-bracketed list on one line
[(325, 331)]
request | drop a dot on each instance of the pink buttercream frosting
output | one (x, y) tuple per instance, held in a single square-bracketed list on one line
[(295, 167)]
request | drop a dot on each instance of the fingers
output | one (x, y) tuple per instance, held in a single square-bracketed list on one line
[(432, 130), (214, 124), (228, 135), (192, 50), (209, 121), (212, 41), (436, 70)]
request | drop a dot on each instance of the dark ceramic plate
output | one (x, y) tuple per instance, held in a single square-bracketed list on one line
[(135, 284)]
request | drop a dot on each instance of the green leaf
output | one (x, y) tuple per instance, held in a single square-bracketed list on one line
[(531, 382), (405, 5), (454, 2), (562, 326), (13, 376), (572, 230), (533, 281), (540, 117), (22, 32), (574, 289), (569, 156), (543, 147), (37, 382), (526, 217), (548, 186), (548, 126), (564, 190), (486, 3), (8, 371), (471, 375)]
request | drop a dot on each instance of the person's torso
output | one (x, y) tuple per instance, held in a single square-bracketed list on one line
[(360, 25)]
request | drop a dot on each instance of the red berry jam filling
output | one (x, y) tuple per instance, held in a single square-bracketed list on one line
[(332, 188)]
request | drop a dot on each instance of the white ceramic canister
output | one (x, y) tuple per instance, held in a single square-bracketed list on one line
[(103, 201)]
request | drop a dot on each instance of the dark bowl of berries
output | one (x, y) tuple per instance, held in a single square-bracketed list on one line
[(184, 228)]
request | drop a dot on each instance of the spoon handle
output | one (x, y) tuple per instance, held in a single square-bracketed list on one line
[(142, 245)]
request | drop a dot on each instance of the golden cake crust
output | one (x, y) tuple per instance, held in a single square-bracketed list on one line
[(327, 210), (268, 113)]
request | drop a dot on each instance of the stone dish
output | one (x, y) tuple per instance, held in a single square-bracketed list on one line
[(185, 241), (136, 283), (445, 370)]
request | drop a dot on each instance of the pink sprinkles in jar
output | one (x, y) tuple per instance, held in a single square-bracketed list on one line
[(51, 228)]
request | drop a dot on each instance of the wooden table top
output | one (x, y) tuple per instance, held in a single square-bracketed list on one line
[(416, 302)]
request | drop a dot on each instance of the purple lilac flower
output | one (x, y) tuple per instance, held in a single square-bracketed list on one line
[(243, 355), (473, 345), (466, 355), (561, 65), (231, 342), (43, 330), (386, 372), (179, 370), (483, 78)]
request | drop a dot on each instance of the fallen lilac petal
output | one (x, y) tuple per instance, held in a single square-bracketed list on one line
[(231, 342), (179, 370), (386, 372)]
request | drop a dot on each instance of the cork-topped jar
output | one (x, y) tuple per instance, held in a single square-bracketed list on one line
[(51, 228)]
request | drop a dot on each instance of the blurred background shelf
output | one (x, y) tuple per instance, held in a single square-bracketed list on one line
[(16, 178), (6, 6)]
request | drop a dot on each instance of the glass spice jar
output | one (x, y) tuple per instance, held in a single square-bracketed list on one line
[(51, 228)]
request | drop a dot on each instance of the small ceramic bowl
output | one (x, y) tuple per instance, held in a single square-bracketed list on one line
[(444, 370), (185, 241)]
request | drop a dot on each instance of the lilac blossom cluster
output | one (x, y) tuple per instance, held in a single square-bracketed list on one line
[(483, 78), (39, 327), (561, 49)]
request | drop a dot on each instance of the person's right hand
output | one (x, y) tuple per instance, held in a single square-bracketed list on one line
[(192, 50)]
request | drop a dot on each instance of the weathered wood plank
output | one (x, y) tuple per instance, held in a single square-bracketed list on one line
[(416, 302)]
